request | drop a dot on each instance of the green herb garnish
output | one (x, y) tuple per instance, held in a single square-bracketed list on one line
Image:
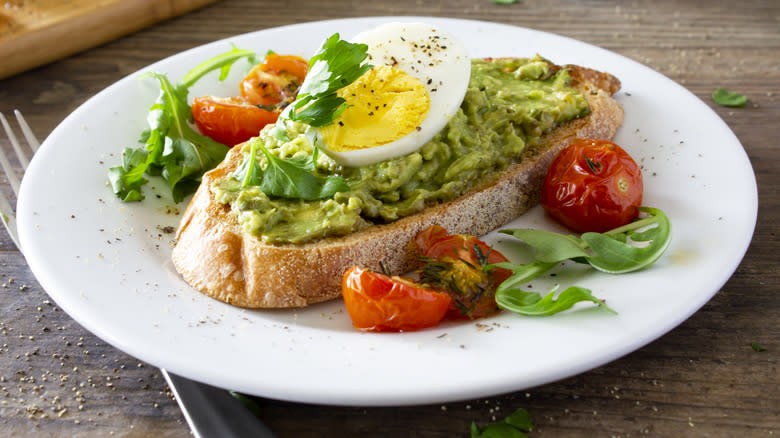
[(172, 149), (337, 64), (514, 426), (504, 2), (292, 178), (624, 249), (727, 98)]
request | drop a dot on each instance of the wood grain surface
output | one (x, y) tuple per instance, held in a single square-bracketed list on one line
[(703, 379), (36, 32)]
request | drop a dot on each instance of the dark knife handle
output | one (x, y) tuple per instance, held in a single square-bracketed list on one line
[(212, 412)]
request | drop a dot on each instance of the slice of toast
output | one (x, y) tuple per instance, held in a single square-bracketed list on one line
[(216, 257)]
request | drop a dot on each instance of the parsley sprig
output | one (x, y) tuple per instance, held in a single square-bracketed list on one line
[(629, 248), (172, 149), (336, 64)]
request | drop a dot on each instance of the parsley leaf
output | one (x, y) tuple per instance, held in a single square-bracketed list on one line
[(172, 149), (727, 98), (336, 64)]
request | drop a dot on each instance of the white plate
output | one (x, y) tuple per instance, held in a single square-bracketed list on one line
[(107, 263)]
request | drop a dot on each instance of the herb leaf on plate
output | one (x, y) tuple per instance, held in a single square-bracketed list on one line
[(629, 248), (172, 149)]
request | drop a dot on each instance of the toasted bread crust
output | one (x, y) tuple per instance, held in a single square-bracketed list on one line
[(216, 257)]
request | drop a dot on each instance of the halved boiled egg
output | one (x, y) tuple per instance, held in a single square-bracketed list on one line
[(419, 79)]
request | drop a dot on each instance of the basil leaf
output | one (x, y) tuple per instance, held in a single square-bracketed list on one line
[(614, 253), (533, 304), (726, 98)]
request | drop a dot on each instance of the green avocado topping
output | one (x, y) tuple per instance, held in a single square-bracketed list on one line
[(509, 105)]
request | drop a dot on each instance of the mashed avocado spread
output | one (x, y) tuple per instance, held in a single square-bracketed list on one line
[(509, 105)]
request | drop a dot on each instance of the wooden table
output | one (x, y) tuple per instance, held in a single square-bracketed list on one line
[(701, 379)]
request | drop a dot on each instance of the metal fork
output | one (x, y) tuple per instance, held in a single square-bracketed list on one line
[(210, 412), (8, 212)]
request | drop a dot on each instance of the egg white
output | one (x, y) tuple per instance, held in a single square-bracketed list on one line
[(433, 56)]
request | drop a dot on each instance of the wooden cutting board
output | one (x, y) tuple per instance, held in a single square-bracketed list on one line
[(35, 32)]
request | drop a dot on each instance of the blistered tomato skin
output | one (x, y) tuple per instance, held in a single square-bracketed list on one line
[(265, 91), (229, 121), (276, 81), (377, 302), (593, 185), (452, 260)]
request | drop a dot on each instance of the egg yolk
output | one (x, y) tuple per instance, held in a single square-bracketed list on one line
[(385, 104)]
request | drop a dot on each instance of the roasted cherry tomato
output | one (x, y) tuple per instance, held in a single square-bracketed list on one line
[(377, 302), (230, 120), (454, 264), (275, 82), (265, 91), (593, 185)]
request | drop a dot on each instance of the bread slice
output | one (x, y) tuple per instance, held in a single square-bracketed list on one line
[(216, 257)]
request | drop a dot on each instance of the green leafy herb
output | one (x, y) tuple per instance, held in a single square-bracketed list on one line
[(337, 64), (514, 426), (624, 249), (757, 347), (504, 2), (292, 178), (172, 149), (726, 98), (533, 304)]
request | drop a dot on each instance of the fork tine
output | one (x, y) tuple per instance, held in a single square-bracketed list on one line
[(9, 219), (28, 134), (9, 170), (15, 143)]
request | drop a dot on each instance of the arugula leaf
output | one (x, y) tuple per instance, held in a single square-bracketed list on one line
[(292, 178), (631, 247), (533, 304), (612, 253), (522, 273), (513, 426), (172, 149), (624, 249), (550, 247), (723, 97), (336, 64)]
